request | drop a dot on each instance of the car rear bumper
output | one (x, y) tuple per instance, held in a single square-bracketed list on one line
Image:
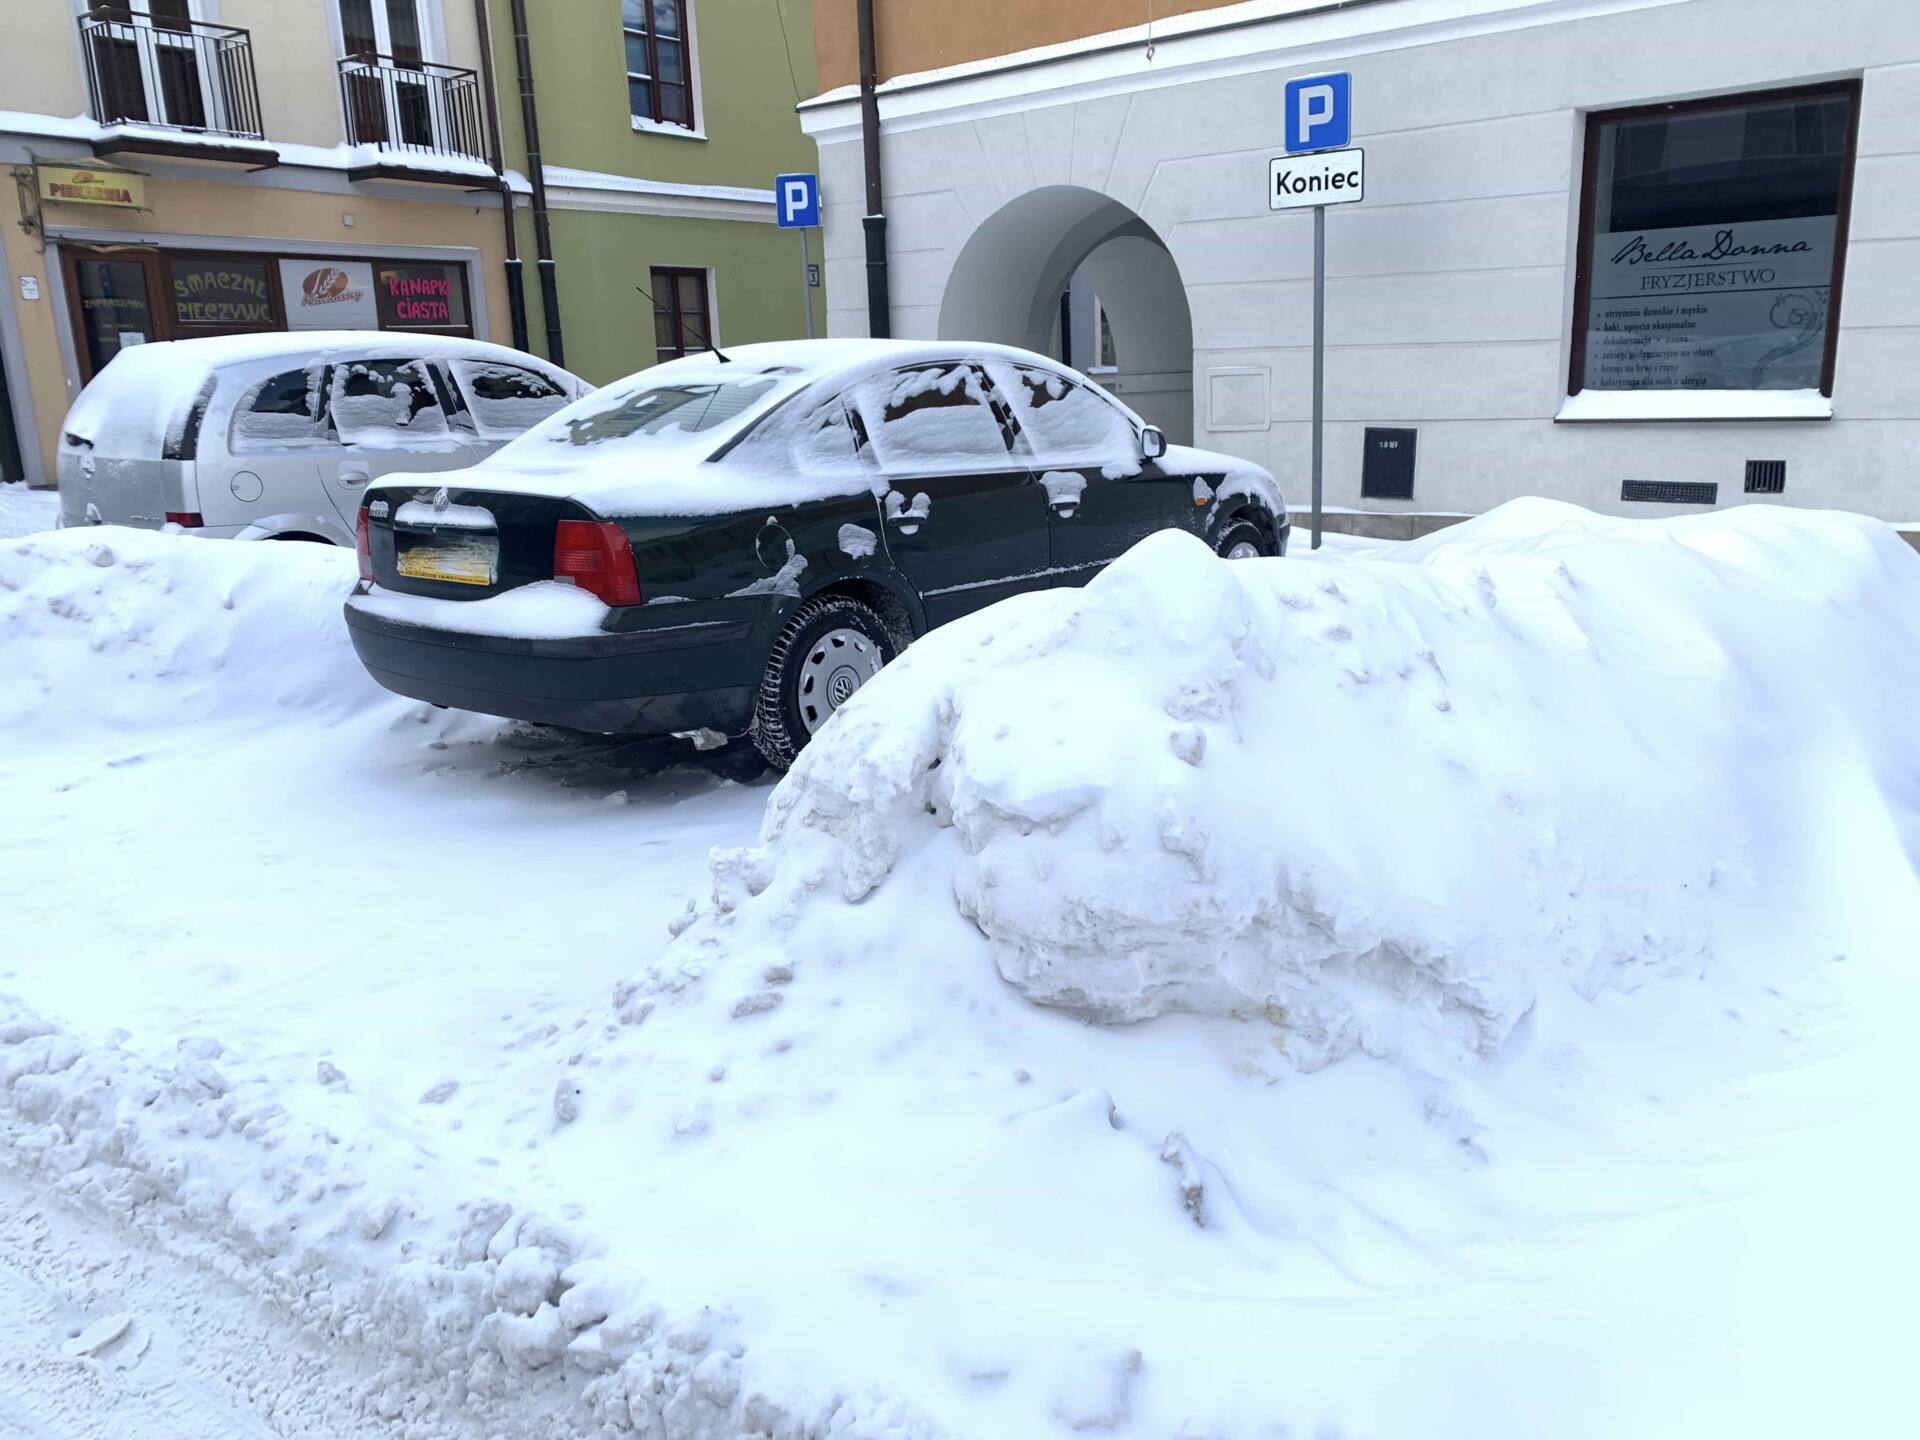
[(658, 681)]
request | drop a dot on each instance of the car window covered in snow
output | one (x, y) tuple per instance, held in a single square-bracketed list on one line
[(655, 415), (281, 410), (825, 443), (1065, 423), (932, 419), (387, 403), (504, 400)]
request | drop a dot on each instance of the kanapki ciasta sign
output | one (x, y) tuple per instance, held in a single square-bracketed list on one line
[(328, 295), (1720, 307)]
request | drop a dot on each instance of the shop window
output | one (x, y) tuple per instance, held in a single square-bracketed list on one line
[(221, 294), (682, 314), (659, 75), (421, 297), (1712, 243)]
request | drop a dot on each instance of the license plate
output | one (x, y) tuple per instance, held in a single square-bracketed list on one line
[(459, 562)]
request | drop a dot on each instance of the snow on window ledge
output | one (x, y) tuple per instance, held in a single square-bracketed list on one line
[(645, 126), (1625, 405)]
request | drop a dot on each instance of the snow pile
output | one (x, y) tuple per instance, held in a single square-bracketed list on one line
[(1542, 748), (91, 620), (23, 511)]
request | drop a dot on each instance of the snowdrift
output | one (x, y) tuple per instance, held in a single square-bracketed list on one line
[(95, 622), (1541, 748)]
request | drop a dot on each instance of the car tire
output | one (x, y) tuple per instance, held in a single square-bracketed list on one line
[(831, 647), (1244, 539)]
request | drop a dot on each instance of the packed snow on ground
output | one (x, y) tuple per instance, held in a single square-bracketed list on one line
[(1455, 990)]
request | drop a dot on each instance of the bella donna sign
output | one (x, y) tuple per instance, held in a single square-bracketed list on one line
[(84, 185)]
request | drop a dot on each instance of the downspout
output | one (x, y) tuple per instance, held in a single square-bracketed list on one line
[(516, 282), (879, 306), (537, 175)]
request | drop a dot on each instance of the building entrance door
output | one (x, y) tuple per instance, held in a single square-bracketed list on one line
[(10, 465), (116, 302)]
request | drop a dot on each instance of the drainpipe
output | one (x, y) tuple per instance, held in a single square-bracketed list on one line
[(536, 173), (516, 283), (879, 307)]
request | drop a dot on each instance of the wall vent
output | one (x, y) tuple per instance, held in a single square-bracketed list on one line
[(1670, 492), (1766, 477)]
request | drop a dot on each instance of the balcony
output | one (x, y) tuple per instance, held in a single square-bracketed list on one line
[(423, 121), (174, 87)]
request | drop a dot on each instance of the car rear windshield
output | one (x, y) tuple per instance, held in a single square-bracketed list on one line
[(650, 417)]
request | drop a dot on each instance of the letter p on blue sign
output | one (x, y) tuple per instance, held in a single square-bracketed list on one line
[(1319, 115), (796, 201)]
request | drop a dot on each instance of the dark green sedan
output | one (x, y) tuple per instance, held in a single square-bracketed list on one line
[(733, 546)]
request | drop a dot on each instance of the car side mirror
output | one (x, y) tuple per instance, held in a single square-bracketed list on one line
[(1153, 443)]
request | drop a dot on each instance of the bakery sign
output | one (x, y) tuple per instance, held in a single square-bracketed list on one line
[(89, 185), (328, 295)]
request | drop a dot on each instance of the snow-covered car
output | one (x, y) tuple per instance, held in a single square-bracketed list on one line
[(276, 436), (736, 544)]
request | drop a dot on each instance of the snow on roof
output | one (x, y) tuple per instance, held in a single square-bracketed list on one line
[(138, 403)]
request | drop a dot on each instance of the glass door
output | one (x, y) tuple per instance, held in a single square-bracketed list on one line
[(114, 296)]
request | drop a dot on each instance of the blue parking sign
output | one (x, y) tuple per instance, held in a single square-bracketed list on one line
[(1319, 115), (796, 201)]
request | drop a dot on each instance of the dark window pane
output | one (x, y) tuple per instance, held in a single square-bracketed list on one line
[(180, 99), (693, 293), (415, 112), (123, 91), (403, 28), (356, 27), (673, 104), (221, 292), (633, 14), (673, 61), (666, 17), (367, 108), (640, 98), (636, 54), (1713, 246), (666, 334), (170, 14)]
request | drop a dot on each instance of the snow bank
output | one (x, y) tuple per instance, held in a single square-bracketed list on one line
[(93, 620), (1540, 748)]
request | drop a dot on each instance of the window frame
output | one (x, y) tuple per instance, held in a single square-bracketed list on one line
[(670, 276), (654, 122), (1733, 100)]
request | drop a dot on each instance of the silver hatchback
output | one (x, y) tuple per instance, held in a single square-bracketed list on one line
[(261, 437)]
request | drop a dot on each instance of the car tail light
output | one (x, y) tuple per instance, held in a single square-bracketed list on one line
[(191, 519), (594, 555), (363, 544)]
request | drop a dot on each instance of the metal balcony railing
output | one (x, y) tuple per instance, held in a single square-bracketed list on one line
[(416, 107), (182, 75)]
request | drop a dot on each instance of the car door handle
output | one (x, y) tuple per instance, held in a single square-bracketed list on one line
[(354, 474)]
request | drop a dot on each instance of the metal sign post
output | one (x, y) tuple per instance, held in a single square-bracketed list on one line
[(796, 206), (1314, 172)]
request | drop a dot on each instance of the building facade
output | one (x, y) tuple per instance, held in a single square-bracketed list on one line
[(205, 167), (662, 124), (1643, 255)]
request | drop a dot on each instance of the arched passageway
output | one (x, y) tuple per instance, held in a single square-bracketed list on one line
[(1126, 319)]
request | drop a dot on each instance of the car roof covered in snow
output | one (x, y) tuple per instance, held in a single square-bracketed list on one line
[(139, 401), (666, 469)]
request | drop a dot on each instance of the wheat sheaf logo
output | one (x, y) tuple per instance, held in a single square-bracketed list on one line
[(329, 285)]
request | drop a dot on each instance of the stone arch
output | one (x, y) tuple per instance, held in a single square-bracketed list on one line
[(1006, 285)]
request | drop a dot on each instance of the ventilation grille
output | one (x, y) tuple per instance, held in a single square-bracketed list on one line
[(1670, 492), (1766, 477)]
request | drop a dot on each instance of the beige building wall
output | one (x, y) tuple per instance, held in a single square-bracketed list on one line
[(40, 62), (913, 35), (212, 210)]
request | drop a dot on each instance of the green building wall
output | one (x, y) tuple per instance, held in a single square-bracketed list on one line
[(745, 97)]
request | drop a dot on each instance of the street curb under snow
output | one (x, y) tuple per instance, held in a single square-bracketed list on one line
[(480, 1319)]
